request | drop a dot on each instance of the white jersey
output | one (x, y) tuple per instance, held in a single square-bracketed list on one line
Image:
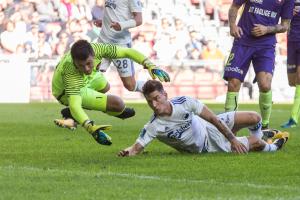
[(118, 11), (184, 130)]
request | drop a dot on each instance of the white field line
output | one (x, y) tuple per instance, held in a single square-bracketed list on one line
[(147, 177)]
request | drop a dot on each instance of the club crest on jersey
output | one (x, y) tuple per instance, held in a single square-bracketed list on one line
[(186, 116), (111, 4)]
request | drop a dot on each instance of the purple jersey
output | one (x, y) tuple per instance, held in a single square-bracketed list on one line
[(264, 12), (294, 33)]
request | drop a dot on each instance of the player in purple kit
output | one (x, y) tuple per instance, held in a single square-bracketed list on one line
[(293, 65), (255, 41)]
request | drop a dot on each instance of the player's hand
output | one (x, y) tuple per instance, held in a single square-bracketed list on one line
[(116, 26), (98, 23), (123, 153), (92, 128), (156, 72), (236, 31), (238, 147), (259, 30)]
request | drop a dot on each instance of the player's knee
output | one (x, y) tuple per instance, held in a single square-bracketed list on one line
[(264, 86), (106, 89), (254, 117), (130, 86), (234, 85), (115, 104)]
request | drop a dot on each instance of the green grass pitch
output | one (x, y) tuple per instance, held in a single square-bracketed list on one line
[(40, 161)]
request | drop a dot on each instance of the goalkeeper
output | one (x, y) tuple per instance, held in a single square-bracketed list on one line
[(78, 84)]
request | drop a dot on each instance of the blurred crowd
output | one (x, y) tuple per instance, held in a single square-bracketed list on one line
[(173, 29), (174, 32)]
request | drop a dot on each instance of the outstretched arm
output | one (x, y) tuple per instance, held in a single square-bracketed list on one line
[(209, 116), (132, 150), (113, 51)]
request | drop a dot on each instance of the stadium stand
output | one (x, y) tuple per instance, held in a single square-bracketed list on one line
[(176, 33)]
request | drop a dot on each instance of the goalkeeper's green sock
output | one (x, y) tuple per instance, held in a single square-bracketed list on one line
[(126, 113), (265, 105), (296, 106), (231, 103)]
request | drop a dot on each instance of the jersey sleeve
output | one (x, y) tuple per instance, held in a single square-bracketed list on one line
[(287, 9), (112, 51), (147, 134), (135, 5), (75, 104), (193, 105), (73, 82)]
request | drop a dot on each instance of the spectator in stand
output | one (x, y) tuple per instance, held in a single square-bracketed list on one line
[(141, 45), (2, 19), (98, 10), (83, 10), (44, 48), (86, 30), (181, 33), (9, 39), (194, 43), (47, 11), (212, 52)]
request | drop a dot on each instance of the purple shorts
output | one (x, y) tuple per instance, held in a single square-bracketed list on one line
[(293, 57), (237, 66)]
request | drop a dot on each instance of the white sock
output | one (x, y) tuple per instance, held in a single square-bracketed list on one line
[(270, 147), (256, 130), (139, 86)]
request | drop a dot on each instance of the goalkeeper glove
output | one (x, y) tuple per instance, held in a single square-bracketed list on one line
[(91, 127), (102, 138), (156, 72), (97, 133)]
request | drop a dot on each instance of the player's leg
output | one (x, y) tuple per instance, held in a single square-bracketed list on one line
[(263, 63), (110, 104), (126, 72), (235, 70), (99, 83), (293, 71), (250, 120), (256, 144)]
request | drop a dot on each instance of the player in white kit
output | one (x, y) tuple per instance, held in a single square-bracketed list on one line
[(118, 17), (187, 125)]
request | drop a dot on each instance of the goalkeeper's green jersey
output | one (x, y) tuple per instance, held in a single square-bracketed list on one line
[(68, 80)]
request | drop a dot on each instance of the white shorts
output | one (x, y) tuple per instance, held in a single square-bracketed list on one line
[(216, 141), (124, 66)]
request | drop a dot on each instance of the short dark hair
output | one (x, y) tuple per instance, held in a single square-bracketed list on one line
[(81, 50), (151, 86)]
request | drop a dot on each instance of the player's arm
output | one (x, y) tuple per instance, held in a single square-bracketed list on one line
[(133, 150), (113, 51), (235, 31), (260, 30), (131, 23), (209, 116), (147, 134)]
